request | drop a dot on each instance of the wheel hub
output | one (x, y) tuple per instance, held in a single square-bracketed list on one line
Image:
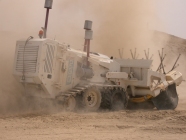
[(91, 99)]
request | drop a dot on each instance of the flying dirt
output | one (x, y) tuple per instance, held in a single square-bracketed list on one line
[(71, 93)]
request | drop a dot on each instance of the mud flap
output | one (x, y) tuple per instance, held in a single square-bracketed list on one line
[(166, 100)]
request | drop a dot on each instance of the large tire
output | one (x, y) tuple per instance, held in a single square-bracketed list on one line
[(166, 100), (119, 99), (106, 99), (92, 99)]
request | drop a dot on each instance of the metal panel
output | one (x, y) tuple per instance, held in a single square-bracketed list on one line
[(135, 63), (117, 75)]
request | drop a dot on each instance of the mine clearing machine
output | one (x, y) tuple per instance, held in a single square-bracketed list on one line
[(90, 80)]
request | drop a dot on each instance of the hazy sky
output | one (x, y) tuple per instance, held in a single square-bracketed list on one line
[(172, 13)]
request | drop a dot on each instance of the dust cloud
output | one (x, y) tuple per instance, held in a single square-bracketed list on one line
[(116, 24)]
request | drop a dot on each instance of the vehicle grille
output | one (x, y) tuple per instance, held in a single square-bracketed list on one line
[(27, 59)]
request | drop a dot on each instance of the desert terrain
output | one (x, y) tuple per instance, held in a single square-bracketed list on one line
[(44, 122)]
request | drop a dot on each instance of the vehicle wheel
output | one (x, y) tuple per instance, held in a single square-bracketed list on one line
[(119, 100), (106, 99), (92, 99)]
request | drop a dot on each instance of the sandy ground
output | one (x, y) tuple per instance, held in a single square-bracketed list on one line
[(151, 125), (104, 125)]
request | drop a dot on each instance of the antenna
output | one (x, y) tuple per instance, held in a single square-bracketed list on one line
[(159, 67), (147, 54), (134, 54), (161, 55), (121, 53), (48, 6), (174, 66)]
